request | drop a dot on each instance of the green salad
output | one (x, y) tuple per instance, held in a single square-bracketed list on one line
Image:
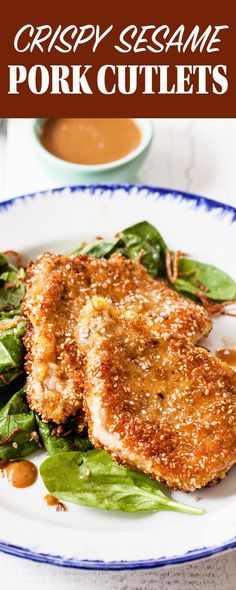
[(74, 471)]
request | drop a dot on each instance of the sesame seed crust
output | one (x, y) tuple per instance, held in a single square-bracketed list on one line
[(57, 288), (156, 401)]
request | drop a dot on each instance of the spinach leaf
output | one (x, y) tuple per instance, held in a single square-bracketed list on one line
[(94, 479), (11, 298), (130, 242), (12, 327), (218, 285), (4, 396), (14, 381), (144, 237), (58, 444), (7, 377), (3, 263), (11, 347), (10, 276), (9, 314), (98, 248), (17, 423), (143, 232)]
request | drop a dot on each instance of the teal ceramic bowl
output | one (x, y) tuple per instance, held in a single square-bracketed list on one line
[(123, 170)]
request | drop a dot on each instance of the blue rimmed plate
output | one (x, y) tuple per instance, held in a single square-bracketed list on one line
[(87, 538)]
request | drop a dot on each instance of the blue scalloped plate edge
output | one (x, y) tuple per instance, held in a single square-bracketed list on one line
[(14, 550), (61, 561), (197, 200)]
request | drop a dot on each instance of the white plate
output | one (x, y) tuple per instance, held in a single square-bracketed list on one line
[(87, 538)]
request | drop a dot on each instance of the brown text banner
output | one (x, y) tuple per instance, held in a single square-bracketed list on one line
[(175, 59)]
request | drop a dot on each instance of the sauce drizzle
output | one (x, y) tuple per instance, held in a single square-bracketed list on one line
[(50, 500), (21, 474)]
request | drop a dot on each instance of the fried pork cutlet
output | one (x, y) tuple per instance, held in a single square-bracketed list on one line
[(155, 401), (57, 288)]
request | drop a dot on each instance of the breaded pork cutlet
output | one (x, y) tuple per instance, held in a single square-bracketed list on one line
[(56, 290), (155, 401)]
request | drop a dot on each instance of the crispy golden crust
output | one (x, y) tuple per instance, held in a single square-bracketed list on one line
[(157, 402), (57, 288), (54, 383)]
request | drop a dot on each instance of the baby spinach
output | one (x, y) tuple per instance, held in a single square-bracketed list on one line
[(4, 315), (3, 263), (198, 277), (7, 377), (141, 237), (60, 444), (12, 328), (17, 423), (4, 396), (11, 298), (144, 239), (100, 248), (11, 285), (94, 479), (14, 381), (11, 348)]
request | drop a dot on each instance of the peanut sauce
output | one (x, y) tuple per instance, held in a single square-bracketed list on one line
[(21, 474), (228, 355), (50, 500), (90, 141)]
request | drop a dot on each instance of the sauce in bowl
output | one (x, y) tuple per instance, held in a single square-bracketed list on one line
[(90, 141)]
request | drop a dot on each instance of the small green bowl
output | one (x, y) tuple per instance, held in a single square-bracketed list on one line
[(123, 170)]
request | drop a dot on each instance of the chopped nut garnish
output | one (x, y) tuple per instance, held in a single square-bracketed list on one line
[(34, 436)]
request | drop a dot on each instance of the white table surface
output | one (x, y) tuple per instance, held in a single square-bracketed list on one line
[(196, 155)]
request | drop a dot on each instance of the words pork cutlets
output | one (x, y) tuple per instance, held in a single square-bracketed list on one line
[(154, 401), (57, 288)]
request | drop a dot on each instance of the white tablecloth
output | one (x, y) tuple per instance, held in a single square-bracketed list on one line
[(196, 155)]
